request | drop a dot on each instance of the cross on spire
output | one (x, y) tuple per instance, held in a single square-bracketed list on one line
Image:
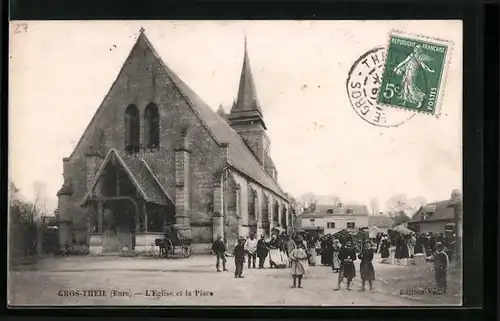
[(141, 30), (245, 42)]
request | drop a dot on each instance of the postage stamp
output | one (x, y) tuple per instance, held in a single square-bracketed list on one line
[(415, 73), (363, 86)]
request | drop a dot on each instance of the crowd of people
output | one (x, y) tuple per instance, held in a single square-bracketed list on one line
[(299, 251), (405, 247)]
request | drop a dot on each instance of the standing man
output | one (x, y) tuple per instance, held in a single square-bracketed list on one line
[(239, 258), (251, 249), (440, 266), (219, 249)]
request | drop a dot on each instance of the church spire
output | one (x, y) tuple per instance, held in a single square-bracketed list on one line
[(246, 117), (247, 95)]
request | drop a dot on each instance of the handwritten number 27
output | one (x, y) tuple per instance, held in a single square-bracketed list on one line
[(21, 27)]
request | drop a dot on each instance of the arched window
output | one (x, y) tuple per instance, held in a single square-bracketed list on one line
[(132, 132), (152, 127)]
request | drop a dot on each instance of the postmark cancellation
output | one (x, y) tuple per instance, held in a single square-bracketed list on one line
[(363, 86)]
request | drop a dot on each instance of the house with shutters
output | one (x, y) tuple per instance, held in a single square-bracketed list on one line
[(155, 154), (436, 217)]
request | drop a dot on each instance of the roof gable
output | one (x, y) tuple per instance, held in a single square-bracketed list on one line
[(141, 176), (436, 211)]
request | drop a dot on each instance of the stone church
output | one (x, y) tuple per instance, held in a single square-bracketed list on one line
[(155, 154)]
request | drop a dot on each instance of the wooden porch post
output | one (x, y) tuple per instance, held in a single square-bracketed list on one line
[(100, 210), (136, 216), (144, 210)]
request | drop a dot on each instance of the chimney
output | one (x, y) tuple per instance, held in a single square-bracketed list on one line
[(65, 168), (312, 207)]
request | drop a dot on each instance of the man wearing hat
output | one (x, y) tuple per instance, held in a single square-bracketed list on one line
[(239, 258), (219, 249), (440, 266)]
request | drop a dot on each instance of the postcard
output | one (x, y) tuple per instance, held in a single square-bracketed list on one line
[(235, 163)]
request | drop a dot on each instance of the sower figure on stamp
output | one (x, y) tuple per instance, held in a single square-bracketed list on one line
[(440, 266), (366, 267), (239, 258), (410, 93), (251, 249), (298, 258), (219, 249), (347, 256)]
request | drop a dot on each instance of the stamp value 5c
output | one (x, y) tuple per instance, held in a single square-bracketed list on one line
[(414, 73)]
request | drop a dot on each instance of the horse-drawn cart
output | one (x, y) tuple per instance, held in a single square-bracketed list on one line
[(176, 237)]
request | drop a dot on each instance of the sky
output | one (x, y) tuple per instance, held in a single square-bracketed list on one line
[(61, 71)]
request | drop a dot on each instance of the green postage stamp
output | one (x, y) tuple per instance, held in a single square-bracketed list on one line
[(415, 73)]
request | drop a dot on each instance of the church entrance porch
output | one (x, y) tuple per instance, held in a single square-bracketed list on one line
[(127, 207)]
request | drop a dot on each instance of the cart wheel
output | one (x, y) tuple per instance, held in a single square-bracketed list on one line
[(170, 249), (186, 250)]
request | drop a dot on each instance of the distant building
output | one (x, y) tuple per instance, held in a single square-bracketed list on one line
[(434, 217), (327, 219), (382, 223)]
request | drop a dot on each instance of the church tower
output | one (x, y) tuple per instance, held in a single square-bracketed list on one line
[(246, 116)]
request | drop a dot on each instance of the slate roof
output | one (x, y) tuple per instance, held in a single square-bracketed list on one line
[(147, 180), (437, 211), (268, 162), (322, 211), (382, 221), (239, 155), (140, 174)]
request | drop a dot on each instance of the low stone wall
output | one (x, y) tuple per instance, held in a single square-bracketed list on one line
[(95, 243), (145, 244)]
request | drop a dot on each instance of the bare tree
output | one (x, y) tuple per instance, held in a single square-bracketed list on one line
[(40, 201), (400, 203), (332, 200), (308, 198), (374, 206)]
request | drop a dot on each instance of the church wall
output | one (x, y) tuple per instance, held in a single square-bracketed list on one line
[(141, 81), (245, 184)]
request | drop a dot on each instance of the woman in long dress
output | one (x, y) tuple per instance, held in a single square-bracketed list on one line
[(347, 256), (290, 246), (405, 250), (274, 252), (323, 250), (366, 267), (419, 245), (415, 61), (298, 257), (335, 258), (328, 251), (385, 245), (262, 251), (398, 255), (311, 245)]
